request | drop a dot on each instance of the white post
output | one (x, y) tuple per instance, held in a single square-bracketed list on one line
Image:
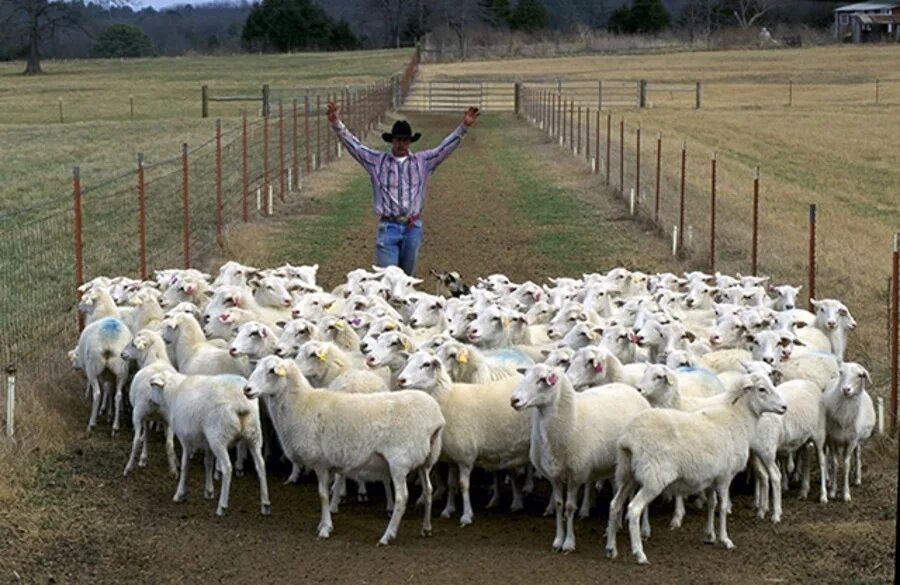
[(690, 236), (631, 201), (314, 161), (593, 164), (560, 141), (270, 200), (258, 199), (674, 240), (339, 149), (879, 402), (290, 179), (10, 401)]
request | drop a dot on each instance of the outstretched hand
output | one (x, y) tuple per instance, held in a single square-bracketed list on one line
[(470, 116), (331, 111)]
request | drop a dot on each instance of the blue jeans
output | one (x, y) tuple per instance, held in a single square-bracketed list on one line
[(398, 245)]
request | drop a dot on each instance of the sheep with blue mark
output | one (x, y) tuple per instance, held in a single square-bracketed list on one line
[(98, 354)]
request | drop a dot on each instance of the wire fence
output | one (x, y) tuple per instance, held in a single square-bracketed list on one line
[(710, 208), (163, 213)]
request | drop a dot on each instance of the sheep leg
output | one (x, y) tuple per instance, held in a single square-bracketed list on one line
[(223, 462), (848, 456), (710, 529), (440, 486), (209, 488), (761, 486), (259, 463), (120, 386), (495, 490), (295, 474), (724, 505), (452, 484), (145, 447), (559, 504), (181, 490), (95, 404), (803, 462), (551, 506), (834, 457), (323, 474), (823, 472), (775, 480), (427, 495), (517, 503), (616, 506), (361, 494), (571, 504), (678, 515), (528, 488), (239, 458), (635, 509), (586, 499), (389, 494), (170, 450), (857, 480), (336, 492), (401, 491), (645, 523), (465, 473), (139, 430)]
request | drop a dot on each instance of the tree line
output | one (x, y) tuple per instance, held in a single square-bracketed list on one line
[(32, 29)]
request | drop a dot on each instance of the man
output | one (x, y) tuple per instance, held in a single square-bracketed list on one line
[(399, 178)]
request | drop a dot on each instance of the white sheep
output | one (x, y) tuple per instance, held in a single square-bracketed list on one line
[(574, 436), (148, 350), (339, 332), (294, 334), (468, 364), (850, 421), (481, 428), (98, 353), (684, 453), (393, 432), (194, 355), (325, 365), (391, 351), (834, 320), (595, 365), (253, 340), (212, 413)]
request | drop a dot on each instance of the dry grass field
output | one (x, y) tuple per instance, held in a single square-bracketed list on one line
[(833, 147), (98, 134)]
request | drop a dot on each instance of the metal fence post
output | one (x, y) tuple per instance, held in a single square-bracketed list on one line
[(517, 96), (79, 258), (637, 163), (597, 142), (895, 331), (812, 256), (245, 172), (587, 133), (185, 207), (281, 175), (219, 180), (712, 215), (265, 100), (754, 249), (578, 135), (599, 95), (642, 85), (622, 156), (608, 146), (131, 106), (10, 400), (877, 83), (142, 223), (681, 201), (697, 96), (790, 92), (319, 132), (265, 153), (572, 123), (295, 164), (204, 101), (658, 176)]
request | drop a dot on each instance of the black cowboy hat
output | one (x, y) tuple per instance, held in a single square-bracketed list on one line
[(401, 129)]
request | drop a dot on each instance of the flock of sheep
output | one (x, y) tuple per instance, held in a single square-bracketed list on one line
[(664, 385)]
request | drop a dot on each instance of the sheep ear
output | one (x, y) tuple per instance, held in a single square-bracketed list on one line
[(690, 336), (583, 317), (281, 324), (749, 338), (544, 352), (463, 356), (670, 378), (800, 324), (852, 323), (867, 376), (814, 302), (797, 342), (619, 303), (280, 371), (522, 371), (551, 379), (322, 353), (209, 293)]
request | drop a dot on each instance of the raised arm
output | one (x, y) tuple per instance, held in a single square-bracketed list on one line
[(436, 156), (367, 157)]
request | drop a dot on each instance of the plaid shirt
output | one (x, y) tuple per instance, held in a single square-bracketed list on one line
[(398, 186)]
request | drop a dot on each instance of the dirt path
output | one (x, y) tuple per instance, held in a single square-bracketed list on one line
[(506, 202)]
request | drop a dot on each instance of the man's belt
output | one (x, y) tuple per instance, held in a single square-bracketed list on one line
[(407, 220)]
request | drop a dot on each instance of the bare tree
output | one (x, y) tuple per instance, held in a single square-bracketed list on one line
[(747, 12), (392, 12)]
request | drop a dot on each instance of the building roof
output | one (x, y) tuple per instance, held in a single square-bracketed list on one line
[(863, 6), (877, 18)]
